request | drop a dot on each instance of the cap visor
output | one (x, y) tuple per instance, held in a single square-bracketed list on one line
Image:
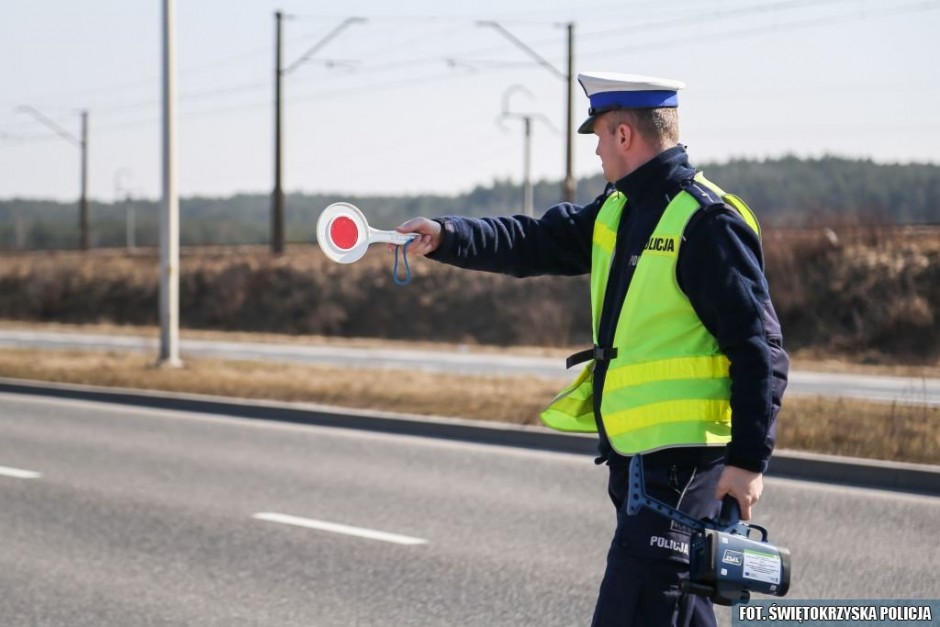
[(587, 127)]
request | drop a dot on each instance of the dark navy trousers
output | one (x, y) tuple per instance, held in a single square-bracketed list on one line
[(648, 556)]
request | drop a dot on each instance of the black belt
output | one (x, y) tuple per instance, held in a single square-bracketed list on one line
[(597, 353)]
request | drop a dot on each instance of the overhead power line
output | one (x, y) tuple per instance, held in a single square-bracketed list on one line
[(587, 37), (80, 142), (465, 20), (715, 15), (11, 132), (753, 31), (149, 81)]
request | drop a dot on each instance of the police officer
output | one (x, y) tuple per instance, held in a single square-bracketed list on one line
[(687, 366)]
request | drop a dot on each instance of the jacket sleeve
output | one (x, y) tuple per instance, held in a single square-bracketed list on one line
[(557, 243), (720, 269)]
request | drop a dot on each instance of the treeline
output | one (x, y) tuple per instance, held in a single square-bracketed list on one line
[(785, 192)]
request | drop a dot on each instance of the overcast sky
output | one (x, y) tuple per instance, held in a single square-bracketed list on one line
[(409, 101)]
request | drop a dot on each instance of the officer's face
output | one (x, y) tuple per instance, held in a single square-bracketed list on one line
[(610, 143)]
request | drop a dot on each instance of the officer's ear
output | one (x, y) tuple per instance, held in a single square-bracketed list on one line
[(625, 135)]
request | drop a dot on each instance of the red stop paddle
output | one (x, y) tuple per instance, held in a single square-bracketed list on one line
[(344, 234)]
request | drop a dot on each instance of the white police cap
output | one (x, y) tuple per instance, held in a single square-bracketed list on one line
[(608, 91)]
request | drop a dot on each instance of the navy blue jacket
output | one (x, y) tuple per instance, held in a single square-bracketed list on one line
[(720, 269)]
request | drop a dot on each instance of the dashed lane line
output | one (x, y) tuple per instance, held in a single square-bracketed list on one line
[(321, 525), (18, 473)]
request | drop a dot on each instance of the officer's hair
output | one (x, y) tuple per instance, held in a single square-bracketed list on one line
[(656, 125)]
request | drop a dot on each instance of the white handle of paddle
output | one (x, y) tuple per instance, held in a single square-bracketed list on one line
[(390, 237)]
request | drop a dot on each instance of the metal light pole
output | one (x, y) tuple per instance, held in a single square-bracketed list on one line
[(277, 201), (169, 214), (527, 201), (129, 217), (131, 239), (527, 191), (570, 183), (82, 143), (528, 204), (568, 187), (83, 201), (277, 208)]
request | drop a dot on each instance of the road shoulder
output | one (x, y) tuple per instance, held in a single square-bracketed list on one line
[(897, 476)]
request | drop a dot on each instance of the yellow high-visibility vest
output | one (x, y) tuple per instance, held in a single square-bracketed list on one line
[(668, 383)]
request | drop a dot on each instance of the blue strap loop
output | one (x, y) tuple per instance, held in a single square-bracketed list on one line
[(404, 257)]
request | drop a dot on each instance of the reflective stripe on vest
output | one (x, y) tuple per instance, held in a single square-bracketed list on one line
[(669, 383)]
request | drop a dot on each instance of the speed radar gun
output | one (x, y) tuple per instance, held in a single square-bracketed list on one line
[(725, 563), (344, 235)]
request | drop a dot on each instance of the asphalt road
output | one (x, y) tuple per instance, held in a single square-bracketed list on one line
[(905, 390), (126, 516)]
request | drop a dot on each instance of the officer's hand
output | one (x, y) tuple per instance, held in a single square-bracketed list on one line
[(429, 236), (744, 485)]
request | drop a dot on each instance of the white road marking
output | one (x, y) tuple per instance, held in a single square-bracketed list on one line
[(321, 525), (18, 473)]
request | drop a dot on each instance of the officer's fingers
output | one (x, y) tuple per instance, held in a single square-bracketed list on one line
[(721, 490), (723, 487), (421, 245), (429, 235), (755, 496), (755, 488), (430, 241), (745, 505), (748, 500), (409, 226), (740, 483), (416, 225)]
